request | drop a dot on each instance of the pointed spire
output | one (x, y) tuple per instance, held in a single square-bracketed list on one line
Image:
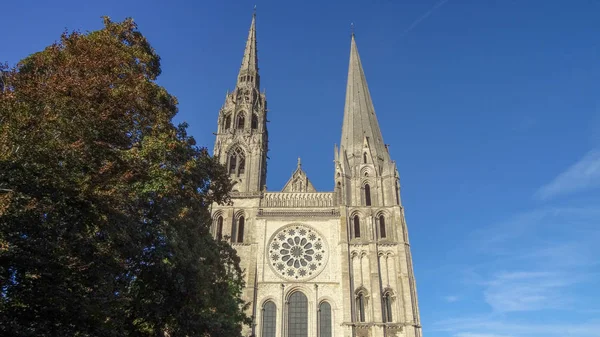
[(360, 121), (249, 65)]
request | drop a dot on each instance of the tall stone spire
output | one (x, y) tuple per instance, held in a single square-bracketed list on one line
[(249, 68), (242, 137), (360, 128)]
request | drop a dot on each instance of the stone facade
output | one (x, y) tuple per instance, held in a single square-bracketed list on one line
[(317, 263)]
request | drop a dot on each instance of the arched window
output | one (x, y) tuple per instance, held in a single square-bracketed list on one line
[(356, 226), (387, 308), (382, 233), (325, 320), (227, 122), (298, 315), (338, 191), (234, 231), (365, 157), (242, 166), (219, 227), (232, 164), (241, 121), (240, 234), (237, 161), (269, 319), (367, 195), (360, 307), (254, 121)]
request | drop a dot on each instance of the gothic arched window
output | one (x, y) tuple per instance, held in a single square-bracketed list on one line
[(298, 315), (237, 161), (360, 307), (241, 166), (367, 195), (325, 320), (234, 230), (227, 124), (269, 319), (240, 228), (382, 233), (241, 121), (219, 227), (365, 157), (356, 221), (254, 121), (387, 308)]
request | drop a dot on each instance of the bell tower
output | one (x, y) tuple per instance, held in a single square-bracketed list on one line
[(241, 142)]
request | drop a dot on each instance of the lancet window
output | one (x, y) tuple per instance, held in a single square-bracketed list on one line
[(382, 232), (269, 319), (356, 223), (254, 121), (241, 121), (387, 307), (237, 162), (325, 320), (360, 307)]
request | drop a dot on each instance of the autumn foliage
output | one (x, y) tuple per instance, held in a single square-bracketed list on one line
[(104, 203)]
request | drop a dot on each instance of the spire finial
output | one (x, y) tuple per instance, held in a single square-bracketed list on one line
[(299, 163), (352, 28), (254, 13)]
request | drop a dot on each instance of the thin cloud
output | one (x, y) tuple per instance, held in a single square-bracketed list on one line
[(517, 291), (425, 16), (468, 334), (583, 175), (451, 299), (491, 326), (541, 264)]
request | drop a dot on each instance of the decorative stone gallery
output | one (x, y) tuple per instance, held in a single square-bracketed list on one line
[(316, 264)]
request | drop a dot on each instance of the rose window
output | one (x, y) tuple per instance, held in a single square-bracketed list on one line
[(297, 252)]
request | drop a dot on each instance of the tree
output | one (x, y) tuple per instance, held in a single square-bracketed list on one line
[(104, 203)]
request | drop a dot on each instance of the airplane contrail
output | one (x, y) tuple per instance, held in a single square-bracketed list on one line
[(425, 16)]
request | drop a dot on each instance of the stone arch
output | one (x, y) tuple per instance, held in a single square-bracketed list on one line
[(356, 223), (361, 302), (366, 171), (240, 120), (383, 222), (238, 226), (236, 160), (297, 309), (388, 299), (254, 123), (227, 121)]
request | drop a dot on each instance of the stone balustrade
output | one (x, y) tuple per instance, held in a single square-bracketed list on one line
[(297, 200)]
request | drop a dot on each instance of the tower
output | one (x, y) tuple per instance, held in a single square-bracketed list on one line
[(242, 137), (367, 190), (317, 264)]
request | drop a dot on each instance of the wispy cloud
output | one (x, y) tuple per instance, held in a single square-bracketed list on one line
[(468, 334), (528, 291), (500, 327), (424, 16), (535, 273), (583, 175), (451, 298)]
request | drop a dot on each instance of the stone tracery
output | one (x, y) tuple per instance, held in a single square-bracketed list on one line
[(297, 252)]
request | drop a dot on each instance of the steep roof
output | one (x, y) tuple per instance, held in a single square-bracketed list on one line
[(299, 181), (360, 120)]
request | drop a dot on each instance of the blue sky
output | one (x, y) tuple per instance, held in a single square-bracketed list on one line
[(491, 109)]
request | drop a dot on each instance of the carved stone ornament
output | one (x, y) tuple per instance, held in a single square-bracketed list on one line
[(297, 252)]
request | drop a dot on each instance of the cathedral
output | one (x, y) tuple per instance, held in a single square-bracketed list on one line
[(323, 264)]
